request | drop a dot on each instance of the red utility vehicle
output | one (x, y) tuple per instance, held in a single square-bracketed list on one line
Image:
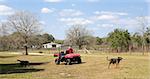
[(68, 58)]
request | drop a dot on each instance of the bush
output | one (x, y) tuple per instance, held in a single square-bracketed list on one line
[(40, 52)]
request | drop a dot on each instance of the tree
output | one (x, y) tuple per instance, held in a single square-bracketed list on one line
[(36, 41), (26, 24), (136, 39), (147, 38), (90, 42), (77, 35), (143, 23), (59, 41), (16, 41), (99, 41), (119, 40), (4, 31), (48, 37)]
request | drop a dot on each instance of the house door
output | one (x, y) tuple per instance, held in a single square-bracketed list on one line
[(54, 45)]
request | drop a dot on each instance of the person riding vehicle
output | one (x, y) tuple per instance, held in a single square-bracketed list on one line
[(69, 50), (68, 56)]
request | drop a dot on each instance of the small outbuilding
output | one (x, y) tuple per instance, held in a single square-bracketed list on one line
[(51, 45)]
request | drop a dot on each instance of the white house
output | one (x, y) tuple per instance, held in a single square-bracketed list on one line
[(51, 45)]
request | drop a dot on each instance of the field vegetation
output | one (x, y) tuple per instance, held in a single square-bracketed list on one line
[(94, 66)]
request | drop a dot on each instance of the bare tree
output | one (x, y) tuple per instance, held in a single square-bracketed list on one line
[(143, 23), (4, 31), (77, 35), (26, 24)]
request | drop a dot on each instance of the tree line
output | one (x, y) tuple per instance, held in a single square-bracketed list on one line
[(119, 40), (14, 41), (22, 31)]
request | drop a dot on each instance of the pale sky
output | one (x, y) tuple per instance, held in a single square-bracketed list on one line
[(99, 16)]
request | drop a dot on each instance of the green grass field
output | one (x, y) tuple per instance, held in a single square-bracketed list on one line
[(94, 66)]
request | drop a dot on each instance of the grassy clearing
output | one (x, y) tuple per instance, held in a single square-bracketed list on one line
[(94, 66)]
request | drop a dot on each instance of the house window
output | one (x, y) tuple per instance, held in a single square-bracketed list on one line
[(54, 45)]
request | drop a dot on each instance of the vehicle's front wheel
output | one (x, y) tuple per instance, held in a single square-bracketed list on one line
[(57, 61)]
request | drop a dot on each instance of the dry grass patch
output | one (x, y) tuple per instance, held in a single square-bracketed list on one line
[(94, 66)]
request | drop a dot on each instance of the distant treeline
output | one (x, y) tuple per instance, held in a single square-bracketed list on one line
[(15, 41), (119, 40), (21, 30)]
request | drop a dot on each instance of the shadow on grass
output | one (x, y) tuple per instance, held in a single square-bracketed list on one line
[(7, 56), (17, 68), (73, 63), (38, 63)]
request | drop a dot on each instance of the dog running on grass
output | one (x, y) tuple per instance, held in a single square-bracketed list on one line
[(114, 61), (24, 63)]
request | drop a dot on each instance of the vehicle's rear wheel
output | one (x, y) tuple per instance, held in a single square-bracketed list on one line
[(68, 62), (79, 60)]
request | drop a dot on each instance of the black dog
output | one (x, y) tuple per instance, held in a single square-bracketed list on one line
[(24, 63), (114, 61)]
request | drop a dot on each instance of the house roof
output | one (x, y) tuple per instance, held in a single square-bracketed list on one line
[(52, 43)]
